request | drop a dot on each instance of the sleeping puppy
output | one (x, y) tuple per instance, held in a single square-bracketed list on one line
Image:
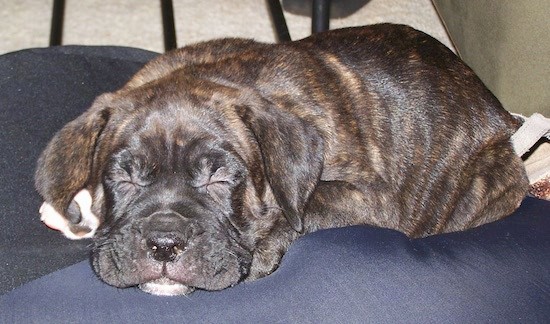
[(212, 159)]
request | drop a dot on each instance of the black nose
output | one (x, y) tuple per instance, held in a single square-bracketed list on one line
[(165, 247), (164, 237)]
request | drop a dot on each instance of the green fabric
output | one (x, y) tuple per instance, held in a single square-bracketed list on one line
[(507, 43)]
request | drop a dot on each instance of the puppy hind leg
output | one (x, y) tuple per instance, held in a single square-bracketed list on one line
[(497, 183)]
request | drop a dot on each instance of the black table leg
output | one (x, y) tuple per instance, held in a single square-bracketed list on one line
[(168, 25), (320, 16), (278, 20), (56, 31)]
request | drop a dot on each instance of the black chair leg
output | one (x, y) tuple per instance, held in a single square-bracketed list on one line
[(168, 25), (320, 16), (56, 31), (278, 20)]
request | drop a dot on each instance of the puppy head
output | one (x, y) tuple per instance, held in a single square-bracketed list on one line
[(169, 179)]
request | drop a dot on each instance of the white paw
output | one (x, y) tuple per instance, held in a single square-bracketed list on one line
[(54, 220)]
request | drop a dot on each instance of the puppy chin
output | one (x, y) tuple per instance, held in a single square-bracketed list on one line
[(165, 287)]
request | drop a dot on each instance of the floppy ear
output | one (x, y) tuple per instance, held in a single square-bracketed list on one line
[(64, 168), (292, 152)]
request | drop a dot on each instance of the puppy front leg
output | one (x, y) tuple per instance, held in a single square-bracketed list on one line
[(85, 225), (339, 203), (271, 248), (333, 204)]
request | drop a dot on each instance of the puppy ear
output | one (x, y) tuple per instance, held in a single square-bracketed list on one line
[(292, 153), (64, 168)]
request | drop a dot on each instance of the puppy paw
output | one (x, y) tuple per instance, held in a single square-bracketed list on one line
[(85, 228)]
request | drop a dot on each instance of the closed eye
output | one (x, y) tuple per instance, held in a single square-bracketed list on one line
[(218, 178), (221, 176), (128, 174), (217, 175), (216, 185), (125, 186)]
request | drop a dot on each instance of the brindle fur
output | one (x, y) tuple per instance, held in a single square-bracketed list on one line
[(379, 125)]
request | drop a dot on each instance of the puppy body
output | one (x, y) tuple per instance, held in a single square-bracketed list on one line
[(231, 149)]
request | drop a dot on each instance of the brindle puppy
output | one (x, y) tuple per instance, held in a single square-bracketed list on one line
[(202, 170)]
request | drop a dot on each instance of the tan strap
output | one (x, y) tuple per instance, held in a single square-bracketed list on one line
[(532, 130)]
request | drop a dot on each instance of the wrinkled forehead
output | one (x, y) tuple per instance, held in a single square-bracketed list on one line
[(159, 132), (170, 133), (165, 116), (169, 116), (177, 122)]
